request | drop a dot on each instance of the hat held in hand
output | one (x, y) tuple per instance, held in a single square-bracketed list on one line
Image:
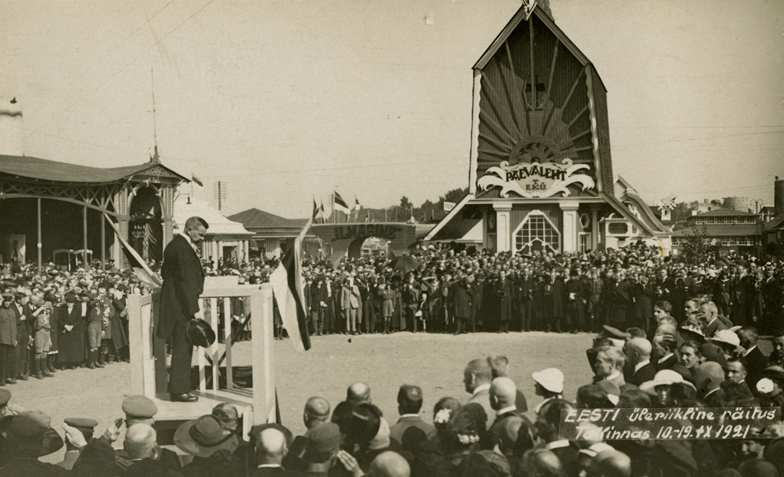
[(200, 333)]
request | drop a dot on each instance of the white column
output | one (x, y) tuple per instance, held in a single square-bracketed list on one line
[(596, 236), (569, 229), (503, 232)]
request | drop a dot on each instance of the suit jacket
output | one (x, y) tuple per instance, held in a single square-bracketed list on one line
[(483, 399), (755, 363), (350, 297), (646, 373), (183, 283), (399, 428), (712, 327)]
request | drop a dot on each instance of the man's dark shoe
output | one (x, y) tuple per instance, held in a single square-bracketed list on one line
[(187, 397)]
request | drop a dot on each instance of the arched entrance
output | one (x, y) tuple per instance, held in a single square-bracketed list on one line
[(370, 246), (145, 224)]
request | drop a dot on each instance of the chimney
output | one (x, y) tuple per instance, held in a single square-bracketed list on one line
[(778, 197)]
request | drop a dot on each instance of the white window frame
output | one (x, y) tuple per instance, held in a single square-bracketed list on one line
[(536, 212)]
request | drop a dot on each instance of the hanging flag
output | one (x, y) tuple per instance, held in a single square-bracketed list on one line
[(448, 206), (140, 268), (357, 207), (324, 214), (340, 204), (318, 212), (287, 286), (196, 180)]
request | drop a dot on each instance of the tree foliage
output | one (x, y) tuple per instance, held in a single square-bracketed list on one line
[(698, 247)]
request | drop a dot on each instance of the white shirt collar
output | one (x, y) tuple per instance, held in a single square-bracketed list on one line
[(505, 410), (641, 364), (480, 388), (664, 358), (710, 392), (187, 239), (271, 466), (409, 415), (746, 353)]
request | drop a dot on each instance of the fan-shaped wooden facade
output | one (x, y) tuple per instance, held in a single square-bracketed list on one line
[(541, 175)]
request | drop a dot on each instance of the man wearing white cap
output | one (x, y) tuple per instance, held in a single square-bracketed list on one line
[(549, 385)]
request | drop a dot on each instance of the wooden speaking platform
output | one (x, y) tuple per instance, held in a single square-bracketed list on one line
[(149, 363)]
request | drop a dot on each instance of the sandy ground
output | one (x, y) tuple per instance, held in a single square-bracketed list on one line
[(434, 362)]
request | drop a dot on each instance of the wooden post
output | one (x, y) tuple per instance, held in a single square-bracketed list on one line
[(84, 239), (147, 353), (227, 321), (263, 371), (40, 245), (103, 242)]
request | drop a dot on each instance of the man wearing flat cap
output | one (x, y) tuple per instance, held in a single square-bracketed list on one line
[(409, 403), (183, 283), (85, 427)]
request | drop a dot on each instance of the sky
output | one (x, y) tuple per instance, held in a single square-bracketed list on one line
[(284, 101)]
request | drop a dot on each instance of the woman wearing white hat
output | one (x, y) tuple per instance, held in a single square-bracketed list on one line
[(549, 385), (661, 384)]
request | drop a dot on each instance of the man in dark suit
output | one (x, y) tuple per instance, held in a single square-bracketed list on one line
[(409, 403), (638, 352), (183, 282), (708, 378), (755, 360), (502, 399)]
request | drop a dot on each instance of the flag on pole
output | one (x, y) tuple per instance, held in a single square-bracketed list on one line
[(340, 204), (196, 180), (324, 214), (287, 286), (140, 268), (357, 207)]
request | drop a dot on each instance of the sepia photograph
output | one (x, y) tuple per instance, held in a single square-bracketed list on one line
[(392, 238)]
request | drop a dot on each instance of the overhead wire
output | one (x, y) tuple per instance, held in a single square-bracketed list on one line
[(84, 97), (90, 67)]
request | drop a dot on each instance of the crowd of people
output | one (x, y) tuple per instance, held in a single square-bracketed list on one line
[(689, 339), (697, 363), (457, 291)]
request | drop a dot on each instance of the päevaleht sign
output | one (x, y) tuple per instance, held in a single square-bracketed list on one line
[(536, 168)]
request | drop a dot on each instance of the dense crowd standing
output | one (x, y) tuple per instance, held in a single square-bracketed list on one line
[(689, 339), (468, 290)]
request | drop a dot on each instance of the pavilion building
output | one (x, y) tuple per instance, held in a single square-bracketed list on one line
[(540, 173)]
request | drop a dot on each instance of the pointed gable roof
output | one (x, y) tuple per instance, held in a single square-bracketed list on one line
[(510, 27)]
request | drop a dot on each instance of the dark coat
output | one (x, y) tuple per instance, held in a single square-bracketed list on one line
[(504, 293), (557, 297), (183, 282), (71, 342), (646, 373), (461, 295)]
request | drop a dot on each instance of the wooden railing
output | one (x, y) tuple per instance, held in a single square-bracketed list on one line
[(149, 375)]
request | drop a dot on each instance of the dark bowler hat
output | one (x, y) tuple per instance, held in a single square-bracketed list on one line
[(200, 333), (139, 407), (204, 436), (85, 426)]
